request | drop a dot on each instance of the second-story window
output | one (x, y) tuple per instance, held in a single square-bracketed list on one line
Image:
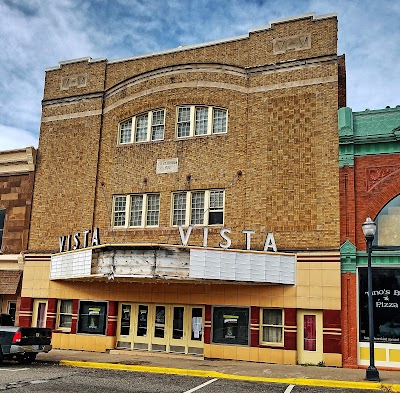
[(198, 208), (196, 120), (143, 128), (136, 210)]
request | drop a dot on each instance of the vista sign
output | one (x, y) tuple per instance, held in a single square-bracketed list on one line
[(73, 241)]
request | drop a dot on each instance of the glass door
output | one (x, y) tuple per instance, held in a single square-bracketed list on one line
[(141, 336), (161, 327), (159, 338), (196, 330), (177, 332), (125, 331)]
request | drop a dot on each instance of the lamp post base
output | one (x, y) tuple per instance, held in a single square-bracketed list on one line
[(372, 374)]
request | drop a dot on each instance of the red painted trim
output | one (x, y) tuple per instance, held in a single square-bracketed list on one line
[(75, 310), (112, 324), (332, 343), (255, 320), (207, 323)]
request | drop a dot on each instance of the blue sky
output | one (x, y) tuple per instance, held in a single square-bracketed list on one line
[(38, 34)]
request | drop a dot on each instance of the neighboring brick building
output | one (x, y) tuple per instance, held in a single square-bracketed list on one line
[(16, 185), (193, 163), (370, 186)]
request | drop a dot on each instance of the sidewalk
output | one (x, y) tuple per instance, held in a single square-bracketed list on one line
[(216, 368)]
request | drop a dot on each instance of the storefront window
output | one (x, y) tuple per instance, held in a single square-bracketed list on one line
[(92, 317), (231, 325), (386, 304)]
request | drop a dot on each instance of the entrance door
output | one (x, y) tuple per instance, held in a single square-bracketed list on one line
[(161, 327), (125, 330), (310, 337), (12, 309), (178, 330), (141, 327), (39, 314), (195, 329), (159, 337)]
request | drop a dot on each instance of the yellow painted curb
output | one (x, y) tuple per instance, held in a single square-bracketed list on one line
[(216, 374)]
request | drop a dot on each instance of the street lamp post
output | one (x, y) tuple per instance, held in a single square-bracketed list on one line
[(369, 229)]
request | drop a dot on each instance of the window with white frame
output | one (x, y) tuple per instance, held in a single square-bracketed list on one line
[(272, 326), (136, 210), (64, 316), (143, 128), (193, 120), (198, 207)]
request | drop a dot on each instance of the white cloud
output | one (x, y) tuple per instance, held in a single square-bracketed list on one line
[(37, 34), (15, 138)]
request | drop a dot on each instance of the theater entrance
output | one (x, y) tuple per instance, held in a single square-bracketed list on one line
[(161, 327)]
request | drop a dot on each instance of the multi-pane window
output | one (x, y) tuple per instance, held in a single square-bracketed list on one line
[(198, 208), (136, 210), (143, 128), (183, 123), (2, 219), (119, 211), (64, 320), (195, 120), (272, 325)]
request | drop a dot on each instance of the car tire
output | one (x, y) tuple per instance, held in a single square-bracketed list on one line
[(26, 358)]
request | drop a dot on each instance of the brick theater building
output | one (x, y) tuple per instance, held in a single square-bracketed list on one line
[(17, 172), (370, 186), (187, 201)]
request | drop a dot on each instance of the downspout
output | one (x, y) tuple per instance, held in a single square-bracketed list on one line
[(99, 144)]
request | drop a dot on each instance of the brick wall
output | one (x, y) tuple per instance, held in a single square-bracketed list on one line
[(16, 197), (282, 138), (365, 190)]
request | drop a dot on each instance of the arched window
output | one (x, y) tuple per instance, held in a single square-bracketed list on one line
[(388, 224)]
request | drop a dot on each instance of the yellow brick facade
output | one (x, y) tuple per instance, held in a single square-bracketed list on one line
[(277, 164)]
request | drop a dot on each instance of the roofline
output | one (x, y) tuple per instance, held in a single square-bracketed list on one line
[(182, 48)]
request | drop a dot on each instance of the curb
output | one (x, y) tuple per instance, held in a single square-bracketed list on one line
[(219, 375)]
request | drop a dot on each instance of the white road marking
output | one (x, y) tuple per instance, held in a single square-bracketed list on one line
[(13, 369), (201, 386), (289, 388)]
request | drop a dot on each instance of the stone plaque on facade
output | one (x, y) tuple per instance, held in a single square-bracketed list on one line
[(73, 81), (294, 42), (169, 165)]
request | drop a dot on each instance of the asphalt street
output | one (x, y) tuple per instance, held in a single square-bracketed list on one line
[(50, 377)]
